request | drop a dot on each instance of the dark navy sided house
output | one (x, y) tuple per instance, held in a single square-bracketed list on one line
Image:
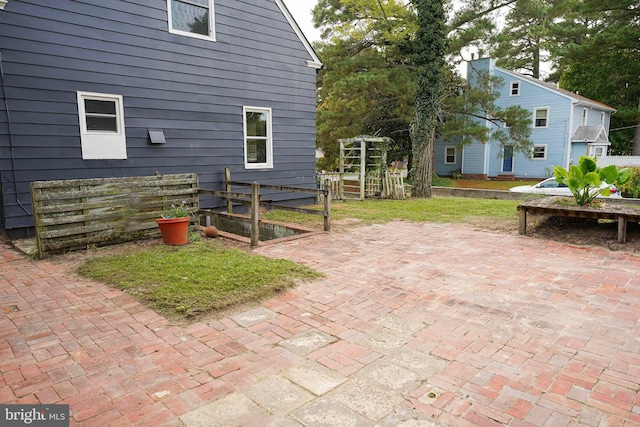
[(96, 89)]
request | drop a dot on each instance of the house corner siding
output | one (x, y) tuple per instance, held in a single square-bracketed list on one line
[(192, 89)]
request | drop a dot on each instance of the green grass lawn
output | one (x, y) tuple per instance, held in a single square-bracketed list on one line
[(436, 209), (195, 279), (485, 184), (204, 277)]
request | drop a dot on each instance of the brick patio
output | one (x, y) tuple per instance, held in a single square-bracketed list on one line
[(425, 324)]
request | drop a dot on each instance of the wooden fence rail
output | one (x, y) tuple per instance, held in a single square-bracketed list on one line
[(71, 214), (254, 200)]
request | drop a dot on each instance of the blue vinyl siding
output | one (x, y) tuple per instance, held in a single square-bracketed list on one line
[(192, 89), (446, 169), (564, 117), (474, 155), (554, 136)]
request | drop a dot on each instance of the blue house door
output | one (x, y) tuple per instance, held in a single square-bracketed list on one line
[(507, 159)]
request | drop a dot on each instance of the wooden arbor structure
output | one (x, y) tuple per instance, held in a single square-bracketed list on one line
[(364, 171)]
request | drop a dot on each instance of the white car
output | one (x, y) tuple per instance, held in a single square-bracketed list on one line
[(552, 187)]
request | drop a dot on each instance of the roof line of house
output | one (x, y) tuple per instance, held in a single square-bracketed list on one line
[(574, 97), (315, 60)]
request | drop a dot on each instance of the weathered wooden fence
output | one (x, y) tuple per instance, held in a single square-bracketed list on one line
[(332, 179), (71, 214), (390, 186), (393, 186), (254, 200)]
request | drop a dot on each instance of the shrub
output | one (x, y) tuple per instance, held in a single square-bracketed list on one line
[(586, 181), (632, 188)]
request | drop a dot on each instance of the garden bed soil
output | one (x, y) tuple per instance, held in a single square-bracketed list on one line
[(574, 231)]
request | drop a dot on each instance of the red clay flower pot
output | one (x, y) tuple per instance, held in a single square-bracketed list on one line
[(174, 230)]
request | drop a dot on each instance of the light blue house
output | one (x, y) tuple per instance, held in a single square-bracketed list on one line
[(565, 126)]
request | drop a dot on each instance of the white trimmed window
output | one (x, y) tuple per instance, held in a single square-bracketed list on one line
[(102, 132), (514, 89), (258, 143), (541, 117), (585, 116), (602, 118), (450, 155), (194, 18), (597, 151), (539, 152)]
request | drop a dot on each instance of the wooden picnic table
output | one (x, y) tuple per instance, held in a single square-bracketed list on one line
[(621, 212)]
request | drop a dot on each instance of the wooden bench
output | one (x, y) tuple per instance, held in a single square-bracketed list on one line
[(621, 212)]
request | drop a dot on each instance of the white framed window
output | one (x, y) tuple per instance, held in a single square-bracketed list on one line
[(539, 152), (541, 117), (602, 116), (258, 141), (585, 116), (514, 89), (597, 151), (102, 133), (450, 155), (193, 18)]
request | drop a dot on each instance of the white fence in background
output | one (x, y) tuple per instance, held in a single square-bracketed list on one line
[(618, 161)]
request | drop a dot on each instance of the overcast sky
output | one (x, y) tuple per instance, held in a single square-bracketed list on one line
[(301, 11)]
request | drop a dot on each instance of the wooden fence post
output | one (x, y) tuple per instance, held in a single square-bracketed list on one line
[(255, 214), (227, 177), (327, 205)]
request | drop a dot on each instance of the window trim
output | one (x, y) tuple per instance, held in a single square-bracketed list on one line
[(602, 118), (585, 116), (212, 23), (446, 156), (535, 110), (511, 87), (102, 145), (593, 147), (533, 152), (269, 139)]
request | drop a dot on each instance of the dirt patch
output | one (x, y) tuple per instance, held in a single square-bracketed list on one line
[(574, 231), (584, 232)]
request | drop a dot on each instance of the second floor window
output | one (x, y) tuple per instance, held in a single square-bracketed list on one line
[(515, 89), (541, 118), (193, 18)]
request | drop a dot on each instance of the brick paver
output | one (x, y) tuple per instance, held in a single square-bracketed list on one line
[(458, 326)]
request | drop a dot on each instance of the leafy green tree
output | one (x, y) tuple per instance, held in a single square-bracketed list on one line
[(597, 54), (366, 86), (375, 58), (471, 26), (472, 106), (521, 43), (360, 92), (611, 78)]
